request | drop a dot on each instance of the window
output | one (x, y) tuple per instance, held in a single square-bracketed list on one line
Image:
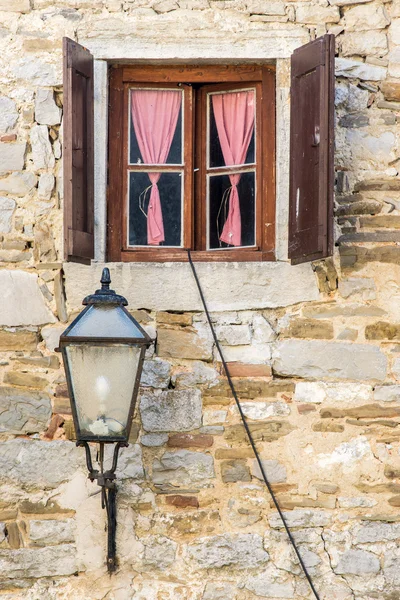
[(191, 157), (195, 166)]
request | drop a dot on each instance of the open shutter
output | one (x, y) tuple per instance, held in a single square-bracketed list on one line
[(311, 150), (78, 153)]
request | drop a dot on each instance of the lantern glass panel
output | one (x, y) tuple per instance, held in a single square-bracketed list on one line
[(103, 379), (105, 321)]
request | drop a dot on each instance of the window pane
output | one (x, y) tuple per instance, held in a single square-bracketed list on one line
[(231, 128), (143, 212), (224, 208), (155, 127)]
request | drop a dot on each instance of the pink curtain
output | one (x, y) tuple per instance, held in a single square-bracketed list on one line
[(154, 116), (234, 117)]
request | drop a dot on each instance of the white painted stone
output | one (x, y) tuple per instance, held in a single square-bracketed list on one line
[(309, 392), (254, 354), (371, 152), (50, 532), (8, 114), (272, 583), (7, 207), (23, 411), (274, 470), (183, 468), (227, 286), (358, 562), (233, 335), (262, 330), (18, 184), (242, 550), (358, 502), (130, 462), (364, 43), (42, 154), (37, 465), (387, 393), (319, 359), (51, 336), (315, 14), (301, 518), (372, 533), (219, 591), (46, 186), (194, 373), (349, 394), (347, 454), (159, 552), (12, 157), (358, 286), (173, 410), (214, 417), (35, 71), (366, 17), (258, 411), (22, 302), (46, 110), (39, 562), (345, 67)]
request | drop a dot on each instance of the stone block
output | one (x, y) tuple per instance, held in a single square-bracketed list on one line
[(364, 43), (259, 411), (301, 518), (175, 410), (354, 120), (372, 533), (233, 335), (130, 462), (271, 583), (391, 90), (382, 330), (22, 6), (38, 562), (181, 343), (315, 14), (25, 380), (18, 184), (251, 354), (240, 550), (265, 431), (167, 318), (23, 412), (159, 552), (238, 369), (358, 286), (153, 440), (189, 440), (156, 373), (351, 97), (182, 501), (51, 532), (193, 374), (42, 153), (367, 17), (391, 567), (36, 71), (317, 359), (46, 186), (274, 470), (46, 110), (12, 157), (262, 330), (310, 328), (51, 336), (387, 393), (214, 417), (7, 207), (37, 465), (265, 7), (22, 301), (18, 340), (345, 67), (358, 562), (8, 112), (219, 591), (183, 467), (262, 285), (235, 470)]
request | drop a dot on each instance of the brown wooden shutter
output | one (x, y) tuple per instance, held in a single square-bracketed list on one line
[(78, 153), (311, 150)]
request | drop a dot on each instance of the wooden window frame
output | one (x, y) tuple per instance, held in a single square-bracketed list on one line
[(124, 77)]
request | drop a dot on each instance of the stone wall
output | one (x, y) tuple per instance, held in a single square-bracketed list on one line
[(314, 349)]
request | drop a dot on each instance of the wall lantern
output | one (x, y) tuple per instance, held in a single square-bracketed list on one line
[(103, 351)]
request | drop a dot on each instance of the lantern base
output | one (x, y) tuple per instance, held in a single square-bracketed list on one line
[(105, 479)]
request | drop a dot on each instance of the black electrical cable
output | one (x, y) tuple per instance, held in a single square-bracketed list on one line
[(249, 435)]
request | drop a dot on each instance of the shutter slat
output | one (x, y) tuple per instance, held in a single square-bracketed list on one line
[(78, 156), (311, 151)]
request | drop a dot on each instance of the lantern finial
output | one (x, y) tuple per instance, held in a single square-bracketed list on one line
[(105, 279)]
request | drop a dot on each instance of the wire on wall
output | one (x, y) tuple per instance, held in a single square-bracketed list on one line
[(249, 434)]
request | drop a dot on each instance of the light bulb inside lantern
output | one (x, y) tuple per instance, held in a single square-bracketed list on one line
[(102, 388)]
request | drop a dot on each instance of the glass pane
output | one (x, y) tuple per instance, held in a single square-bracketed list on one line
[(231, 128), (105, 321), (147, 223), (155, 127), (222, 209), (103, 379)]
